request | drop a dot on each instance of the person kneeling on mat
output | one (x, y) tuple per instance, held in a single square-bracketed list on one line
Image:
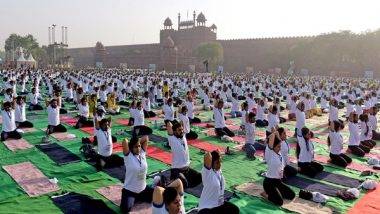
[(184, 120), (169, 200), (289, 171), (105, 146), (354, 144), (251, 145), (20, 115), (305, 154), (136, 167), (84, 114), (365, 132), (54, 123), (335, 142), (180, 157), (33, 97), (275, 190), (9, 124), (221, 129), (212, 197), (139, 127)]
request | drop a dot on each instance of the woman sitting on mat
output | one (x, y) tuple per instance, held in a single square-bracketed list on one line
[(54, 123), (136, 167), (180, 157), (333, 113), (105, 146), (274, 189), (300, 119), (260, 114), (251, 145), (354, 144), (212, 197), (169, 200), (112, 107), (279, 109), (365, 132), (9, 123), (372, 120), (273, 120), (139, 127), (335, 142), (289, 171), (33, 99), (235, 108), (190, 109), (169, 112), (20, 114), (305, 154), (221, 129), (148, 113), (9, 95), (184, 120), (84, 114), (292, 108)]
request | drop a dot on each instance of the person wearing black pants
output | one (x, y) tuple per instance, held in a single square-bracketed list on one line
[(305, 154), (220, 132), (335, 142), (220, 121), (25, 124)]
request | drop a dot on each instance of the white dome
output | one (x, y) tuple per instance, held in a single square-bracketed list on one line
[(30, 58)]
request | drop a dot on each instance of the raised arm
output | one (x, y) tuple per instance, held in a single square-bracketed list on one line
[(125, 147), (169, 128), (207, 160), (144, 142)]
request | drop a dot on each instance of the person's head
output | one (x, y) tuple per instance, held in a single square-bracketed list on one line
[(33, 90), (146, 94), (184, 110), (54, 103), (306, 133), (9, 91), (244, 106), (169, 101), (273, 109), (104, 124), (282, 132), (19, 100), (277, 145), (139, 105), (353, 118), (83, 100), (134, 145), (216, 160), (178, 130), (335, 126), (7, 106), (301, 106), (172, 200), (251, 117), (363, 118), (220, 104), (373, 110)]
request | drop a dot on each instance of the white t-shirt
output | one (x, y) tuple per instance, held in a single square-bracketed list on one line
[(363, 131), (336, 143), (235, 105), (273, 121), (213, 189), (372, 121), (219, 118), (180, 152), (190, 109), (20, 115), (260, 113), (136, 168), (138, 116), (300, 123), (146, 104), (9, 124), (333, 114), (250, 133), (168, 112), (84, 110), (185, 122), (161, 209), (354, 139), (53, 116), (306, 152), (285, 151), (104, 139), (275, 164)]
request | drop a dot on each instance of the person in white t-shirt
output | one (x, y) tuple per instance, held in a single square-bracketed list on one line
[(169, 112), (106, 158), (372, 120), (169, 200), (184, 120), (365, 132), (335, 142), (9, 123), (212, 197), (260, 114), (251, 145), (235, 108), (33, 99), (354, 144), (20, 114), (221, 129), (148, 113), (54, 123), (84, 114), (180, 157), (139, 127), (190, 109), (274, 189), (136, 167)]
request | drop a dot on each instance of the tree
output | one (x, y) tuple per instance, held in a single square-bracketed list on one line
[(211, 51), (2, 54), (28, 43)]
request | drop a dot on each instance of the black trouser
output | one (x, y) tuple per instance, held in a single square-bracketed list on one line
[(25, 124), (226, 207), (359, 150), (95, 142), (195, 120), (131, 121), (261, 123), (35, 107), (240, 97), (123, 103), (62, 111), (141, 131), (340, 160), (69, 100), (84, 122), (310, 169), (109, 162), (191, 135), (290, 171), (282, 120), (129, 198), (149, 114), (277, 191), (220, 132), (171, 121), (375, 135), (12, 135), (368, 143), (57, 128), (189, 177)]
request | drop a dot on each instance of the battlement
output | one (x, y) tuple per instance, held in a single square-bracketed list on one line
[(269, 38)]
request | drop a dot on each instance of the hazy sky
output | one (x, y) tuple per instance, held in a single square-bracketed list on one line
[(117, 22)]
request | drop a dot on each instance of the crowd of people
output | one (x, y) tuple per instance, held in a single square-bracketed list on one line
[(264, 101)]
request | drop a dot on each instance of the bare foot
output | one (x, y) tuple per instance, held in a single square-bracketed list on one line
[(264, 195)]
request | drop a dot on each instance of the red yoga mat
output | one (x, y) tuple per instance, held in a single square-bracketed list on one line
[(159, 154), (205, 145), (116, 148), (123, 122), (88, 130), (368, 204), (68, 120)]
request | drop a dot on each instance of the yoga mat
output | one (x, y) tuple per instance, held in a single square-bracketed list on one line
[(30, 179), (204, 125), (205, 145), (62, 136), (368, 204), (112, 193), (124, 122), (68, 120), (116, 147), (28, 130), (338, 179), (88, 130), (59, 154), (297, 205), (79, 203), (313, 186), (157, 138), (353, 165), (159, 154), (15, 145), (153, 118)]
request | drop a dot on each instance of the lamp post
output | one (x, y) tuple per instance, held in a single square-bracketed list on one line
[(176, 58)]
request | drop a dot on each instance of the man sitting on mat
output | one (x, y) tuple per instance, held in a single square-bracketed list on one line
[(9, 123), (184, 120), (181, 159), (84, 114), (20, 115), (33, 98), (54, 124), (105, 145), (170, 199), (221, 129)]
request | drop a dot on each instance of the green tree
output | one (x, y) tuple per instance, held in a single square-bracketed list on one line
[(28, 43), (212, 51)]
